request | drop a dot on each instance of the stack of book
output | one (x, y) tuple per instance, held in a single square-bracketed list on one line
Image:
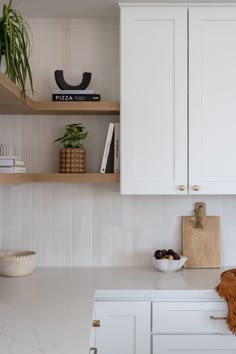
[(12, 164), (111, 154), (75, 95)]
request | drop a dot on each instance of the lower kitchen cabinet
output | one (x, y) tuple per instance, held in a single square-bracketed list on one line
[(160, 327), (191, 327), (125, 327), (194, 344)]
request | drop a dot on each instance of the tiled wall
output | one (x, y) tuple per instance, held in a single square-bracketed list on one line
[(87, 224)]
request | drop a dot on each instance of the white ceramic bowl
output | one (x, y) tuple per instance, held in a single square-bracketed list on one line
[(17, 263), (168, 265)]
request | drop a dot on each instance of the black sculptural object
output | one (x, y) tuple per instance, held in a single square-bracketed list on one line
[(63, 85)]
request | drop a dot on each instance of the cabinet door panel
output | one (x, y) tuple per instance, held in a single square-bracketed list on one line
[(125, 327), (153, 100), (212, 100), (194, 344)]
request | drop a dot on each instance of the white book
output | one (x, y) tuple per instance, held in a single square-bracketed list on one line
[(12, 170), (117, 148), (107, 147), (7, 162), (71, 92), (2, 157)]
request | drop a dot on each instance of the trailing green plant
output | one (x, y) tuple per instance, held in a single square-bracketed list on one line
[(15, 46), (73, 135)]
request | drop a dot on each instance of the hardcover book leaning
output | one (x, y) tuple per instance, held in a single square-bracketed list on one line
[(111, 155)]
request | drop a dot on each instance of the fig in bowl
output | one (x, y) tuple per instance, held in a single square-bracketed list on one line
[(168, 260)]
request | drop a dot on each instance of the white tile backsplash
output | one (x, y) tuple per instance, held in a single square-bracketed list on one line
[(76, 224), (87, 224)]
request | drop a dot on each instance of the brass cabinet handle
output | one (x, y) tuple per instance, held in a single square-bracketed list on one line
[(217, 318), (196, 187), (181, 187), (96, 323), (93, 349)]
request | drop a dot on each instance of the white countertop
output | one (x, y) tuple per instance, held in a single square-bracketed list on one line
[(50, 311)]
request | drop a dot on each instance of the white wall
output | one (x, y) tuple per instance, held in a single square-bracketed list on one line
[(87, 224)]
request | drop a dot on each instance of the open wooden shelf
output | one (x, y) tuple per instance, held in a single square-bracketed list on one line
[(13, 102), (76, 177), (19, 178), (16, 178)]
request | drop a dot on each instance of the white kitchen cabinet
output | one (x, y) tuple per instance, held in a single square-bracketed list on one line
[(124, 327), (178, 99), (191, 327), (153, 100), (160, 327), (212, 99), (194, 344)]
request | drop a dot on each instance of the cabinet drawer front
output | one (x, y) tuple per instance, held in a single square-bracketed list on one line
[(189, 317), (194, 344)]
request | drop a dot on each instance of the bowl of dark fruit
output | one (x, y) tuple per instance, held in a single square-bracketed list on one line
[(168, 260)]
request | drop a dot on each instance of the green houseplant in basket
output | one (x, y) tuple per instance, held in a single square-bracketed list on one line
[(15, 47), (73, 155)]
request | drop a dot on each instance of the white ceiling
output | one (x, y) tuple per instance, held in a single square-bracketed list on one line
[(78, 8)]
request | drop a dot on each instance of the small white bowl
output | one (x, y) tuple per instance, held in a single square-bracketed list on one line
[(17, 263), (168, 265)]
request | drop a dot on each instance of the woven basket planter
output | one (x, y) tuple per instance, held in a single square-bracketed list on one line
[(72, 160)]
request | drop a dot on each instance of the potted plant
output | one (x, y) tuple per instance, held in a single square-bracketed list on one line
[(15, 47), (73, 155)]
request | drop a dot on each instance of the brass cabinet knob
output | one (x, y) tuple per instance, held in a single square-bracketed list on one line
[(181, 188), (96, 323), (196, 188)]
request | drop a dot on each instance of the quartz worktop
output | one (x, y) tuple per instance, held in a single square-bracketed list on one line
[(50, 311)]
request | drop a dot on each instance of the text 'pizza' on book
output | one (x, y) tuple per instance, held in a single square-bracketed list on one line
[(75, 95)]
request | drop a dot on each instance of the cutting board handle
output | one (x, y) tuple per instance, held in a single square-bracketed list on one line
[(200, 214)]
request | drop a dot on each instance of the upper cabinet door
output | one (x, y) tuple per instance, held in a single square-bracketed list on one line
[(212, 100), (153, 100)]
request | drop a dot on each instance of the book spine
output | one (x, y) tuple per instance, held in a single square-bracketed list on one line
[(9, 157), (110, 158), (117, 148), (74, 92), (11, 163), (107, 148), (12, 170), (76, 97)]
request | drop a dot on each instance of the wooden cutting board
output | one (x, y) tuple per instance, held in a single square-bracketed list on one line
[(201, 239)]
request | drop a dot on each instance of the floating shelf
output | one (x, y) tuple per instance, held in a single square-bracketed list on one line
[(76, 177), (16, 178), (19, 178), (13, 102)]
